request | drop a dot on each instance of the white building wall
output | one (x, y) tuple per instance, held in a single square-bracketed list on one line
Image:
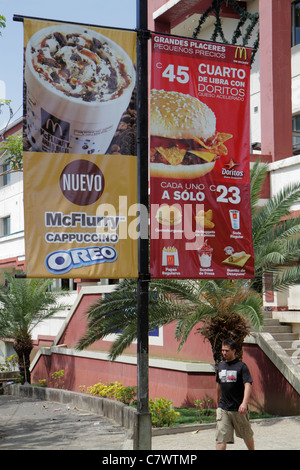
[(11, 204)]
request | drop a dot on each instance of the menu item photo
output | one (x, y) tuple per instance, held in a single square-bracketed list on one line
[(78, 84), (184, 140)]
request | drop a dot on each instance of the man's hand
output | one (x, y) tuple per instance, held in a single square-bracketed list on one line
[(243, 409), (244, 405)]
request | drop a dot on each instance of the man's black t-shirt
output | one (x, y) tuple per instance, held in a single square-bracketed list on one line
[(232, 376)]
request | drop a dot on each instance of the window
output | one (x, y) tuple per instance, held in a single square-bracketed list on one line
[(5, 226), (296, 134), (63, 284), (5, 176), (295, 23)]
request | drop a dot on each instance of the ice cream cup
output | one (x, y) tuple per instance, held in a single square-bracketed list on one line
[(205, 256), (57, 122)]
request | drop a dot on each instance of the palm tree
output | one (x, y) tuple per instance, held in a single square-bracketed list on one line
[(226, 309), (169, 300), (275, 233), (188, 302), (24, 303), (222, 308)]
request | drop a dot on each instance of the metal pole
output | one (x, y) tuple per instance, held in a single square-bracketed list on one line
[(143, 431)]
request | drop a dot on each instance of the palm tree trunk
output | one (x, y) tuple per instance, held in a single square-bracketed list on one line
[(23, 347)]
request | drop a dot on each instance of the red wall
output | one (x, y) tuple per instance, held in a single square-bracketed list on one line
[(270, 392), (193, 349)]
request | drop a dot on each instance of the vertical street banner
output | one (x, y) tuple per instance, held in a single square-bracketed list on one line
[(199, 160), (80, 158)]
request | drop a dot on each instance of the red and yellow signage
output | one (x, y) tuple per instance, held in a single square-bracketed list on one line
[(199, 160), (80, 164)]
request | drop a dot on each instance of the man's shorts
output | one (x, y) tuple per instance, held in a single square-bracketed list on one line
[(230, 421)]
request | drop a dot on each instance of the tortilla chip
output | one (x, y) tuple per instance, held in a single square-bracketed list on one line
[(173, 155), (218, 143)]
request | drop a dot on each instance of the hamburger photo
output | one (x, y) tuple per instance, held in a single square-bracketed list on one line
[(184, 141), (169, 215)]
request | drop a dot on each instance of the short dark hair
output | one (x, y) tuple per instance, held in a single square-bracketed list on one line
[(230, 343)]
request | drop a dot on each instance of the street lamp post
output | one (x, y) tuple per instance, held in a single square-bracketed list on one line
[(143, 429)]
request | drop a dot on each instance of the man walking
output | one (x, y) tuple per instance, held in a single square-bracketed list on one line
[(233, 393)]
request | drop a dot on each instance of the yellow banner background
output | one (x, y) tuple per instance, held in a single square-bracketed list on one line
[(43, 194)]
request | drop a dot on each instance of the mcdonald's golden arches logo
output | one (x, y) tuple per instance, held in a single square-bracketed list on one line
[(240, 51)]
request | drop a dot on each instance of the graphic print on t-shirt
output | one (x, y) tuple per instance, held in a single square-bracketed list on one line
[(226, 376)]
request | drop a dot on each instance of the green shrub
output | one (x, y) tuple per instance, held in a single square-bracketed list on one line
[(204, 407), (10, 363), (162, 412), (58, 379), (113, 390), (125, 395)]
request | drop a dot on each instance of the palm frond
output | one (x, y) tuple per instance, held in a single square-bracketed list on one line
[(191, 302), (186, 324), (251, 307), (258, 175), (286, 278), (116, 312), (24, 303), (272, 213)]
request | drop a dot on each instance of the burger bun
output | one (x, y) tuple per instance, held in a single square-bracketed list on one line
[(180, 171), (178, 116), (169, 215), (175, 115)]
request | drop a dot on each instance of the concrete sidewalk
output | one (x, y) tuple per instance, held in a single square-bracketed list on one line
[(269, 434), (33, 424)]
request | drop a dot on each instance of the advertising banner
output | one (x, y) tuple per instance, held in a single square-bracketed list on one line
[(80, 158), (199, 160)]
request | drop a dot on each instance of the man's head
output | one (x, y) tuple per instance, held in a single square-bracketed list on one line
[(228, 349)]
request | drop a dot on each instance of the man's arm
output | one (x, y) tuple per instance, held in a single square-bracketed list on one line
[(244, 405)]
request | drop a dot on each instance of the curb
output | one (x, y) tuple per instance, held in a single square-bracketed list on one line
[(121, 414)]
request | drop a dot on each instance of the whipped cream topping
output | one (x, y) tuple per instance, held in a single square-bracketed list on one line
[(81, 66)]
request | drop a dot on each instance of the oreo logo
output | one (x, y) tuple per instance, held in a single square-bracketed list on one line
[(60, 262)]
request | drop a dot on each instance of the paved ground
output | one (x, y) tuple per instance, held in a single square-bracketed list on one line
[(275, 434), (29, 424)]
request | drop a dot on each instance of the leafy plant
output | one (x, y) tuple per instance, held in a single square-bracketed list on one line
[(114, 390), (24, 303), (14, 145), (218, 308), (9, 364), (58, 377), (125, 395), (275, 233), (204, 407), (42, 382), (162, 412), (2, 22)]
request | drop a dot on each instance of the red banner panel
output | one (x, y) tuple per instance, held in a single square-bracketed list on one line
[(199, 160)]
